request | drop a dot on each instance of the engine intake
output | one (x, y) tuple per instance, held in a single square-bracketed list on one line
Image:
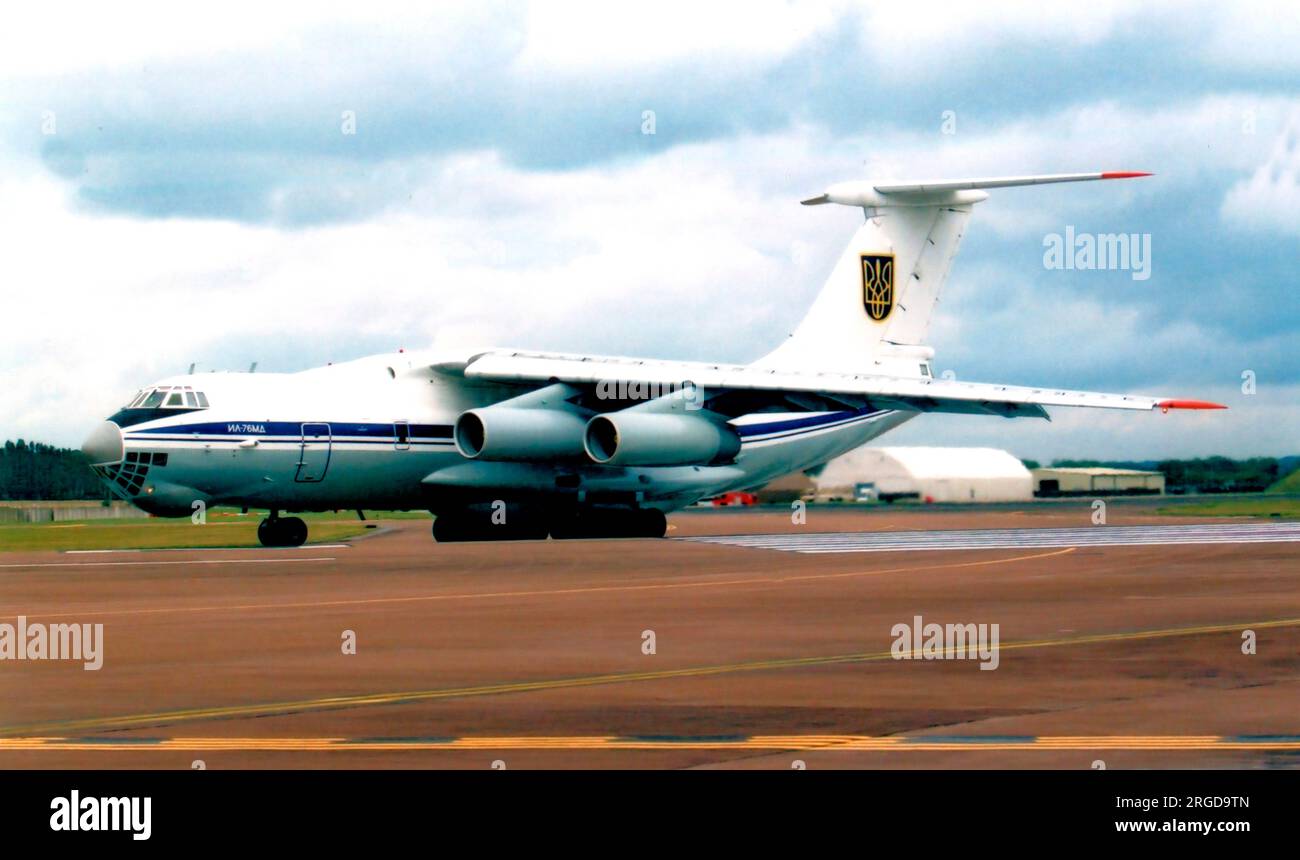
[(536, 426), (518, 434)]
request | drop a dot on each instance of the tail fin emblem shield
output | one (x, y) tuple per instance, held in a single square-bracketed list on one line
[(878, 285)]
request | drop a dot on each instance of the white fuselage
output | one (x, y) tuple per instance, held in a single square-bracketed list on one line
[(377, 434)]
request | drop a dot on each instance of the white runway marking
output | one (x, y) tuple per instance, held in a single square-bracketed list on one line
[(309, 546), (158, 563), (914, 541)]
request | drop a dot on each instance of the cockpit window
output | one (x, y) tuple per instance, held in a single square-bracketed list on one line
[(160, 401), (169, 397)]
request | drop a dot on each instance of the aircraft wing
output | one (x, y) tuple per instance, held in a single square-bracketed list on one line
[(802, 391)]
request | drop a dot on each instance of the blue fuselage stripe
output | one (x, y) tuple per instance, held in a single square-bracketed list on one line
[(294, 429), (438, 434)]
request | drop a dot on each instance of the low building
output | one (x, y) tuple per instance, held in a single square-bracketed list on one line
[(1097, 481), (925, 474), (67, 511), (787, 488)]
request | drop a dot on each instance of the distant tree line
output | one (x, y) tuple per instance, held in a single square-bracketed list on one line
[(1221, 475), (36, 472)]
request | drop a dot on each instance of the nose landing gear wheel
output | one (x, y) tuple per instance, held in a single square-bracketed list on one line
[(282, 532)]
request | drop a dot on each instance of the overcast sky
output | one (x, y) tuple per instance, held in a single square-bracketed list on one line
[(176, 186)]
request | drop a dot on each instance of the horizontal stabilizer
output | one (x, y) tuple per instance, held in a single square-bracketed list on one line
[(1002, 182), (868, 193)]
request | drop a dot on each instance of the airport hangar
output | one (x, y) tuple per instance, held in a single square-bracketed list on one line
[(1098, 480), (925, 474)]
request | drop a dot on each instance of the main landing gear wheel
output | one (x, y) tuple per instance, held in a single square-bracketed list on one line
[(282, 532), (647, 523), (478, 526), (654, 523)]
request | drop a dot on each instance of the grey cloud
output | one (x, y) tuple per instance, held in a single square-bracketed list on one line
[(258, 137)]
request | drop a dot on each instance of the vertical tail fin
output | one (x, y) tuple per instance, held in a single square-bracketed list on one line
[(873, 314)]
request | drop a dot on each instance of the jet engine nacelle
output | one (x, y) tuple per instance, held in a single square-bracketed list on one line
[(539, 425), (518, 434), (636, 438)]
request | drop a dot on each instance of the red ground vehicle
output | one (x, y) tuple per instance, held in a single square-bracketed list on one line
[(735, 498)]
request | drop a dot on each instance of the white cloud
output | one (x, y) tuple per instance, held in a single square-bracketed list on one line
[(1257, 35), (61, 37), (589, 35), (923, 37), (1269, 200)]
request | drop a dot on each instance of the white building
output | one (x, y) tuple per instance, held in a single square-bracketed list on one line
[(933, 474)]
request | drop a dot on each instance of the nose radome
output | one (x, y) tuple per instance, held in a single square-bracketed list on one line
[(104, 445)]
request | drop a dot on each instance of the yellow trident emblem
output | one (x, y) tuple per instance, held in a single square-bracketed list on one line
[(878, 285)]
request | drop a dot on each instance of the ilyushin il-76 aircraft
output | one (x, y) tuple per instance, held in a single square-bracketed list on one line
[(510, 444)]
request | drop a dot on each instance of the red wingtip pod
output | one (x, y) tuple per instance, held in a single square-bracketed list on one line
[(1124, 174), (1166, 405)]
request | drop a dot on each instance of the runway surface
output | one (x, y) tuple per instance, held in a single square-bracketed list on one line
[(1101, 535), (535, 654)]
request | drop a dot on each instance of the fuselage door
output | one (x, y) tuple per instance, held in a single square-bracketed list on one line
[(402, 435), (313, 453)]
